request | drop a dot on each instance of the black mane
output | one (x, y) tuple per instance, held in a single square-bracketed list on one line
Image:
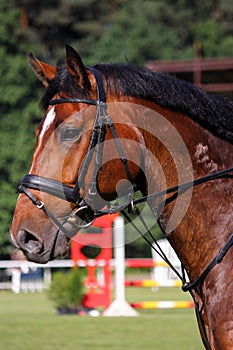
[(212, 112)]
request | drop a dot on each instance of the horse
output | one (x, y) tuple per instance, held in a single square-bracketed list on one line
[(112, 130)]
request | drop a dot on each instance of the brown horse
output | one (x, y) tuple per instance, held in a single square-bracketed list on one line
[(112, 129)]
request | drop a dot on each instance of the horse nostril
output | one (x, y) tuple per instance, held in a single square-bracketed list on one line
[(28, 242)]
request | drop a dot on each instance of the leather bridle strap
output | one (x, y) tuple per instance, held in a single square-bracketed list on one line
[(40, 205), (53, 187), (98, 135), (59, 101), (187, 286), (179, 189)]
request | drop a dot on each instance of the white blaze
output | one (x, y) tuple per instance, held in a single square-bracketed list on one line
[(47, 122)]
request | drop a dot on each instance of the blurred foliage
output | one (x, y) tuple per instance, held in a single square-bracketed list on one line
[(150, 30), (67, 290), (19, 115), (118, 30)]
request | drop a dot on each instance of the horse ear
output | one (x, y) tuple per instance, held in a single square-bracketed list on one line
[(44, 71), (76, 67)]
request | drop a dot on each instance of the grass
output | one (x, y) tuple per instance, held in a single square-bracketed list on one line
[(29, 322)]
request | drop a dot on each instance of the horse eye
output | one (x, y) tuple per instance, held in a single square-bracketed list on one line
[(69, 134)]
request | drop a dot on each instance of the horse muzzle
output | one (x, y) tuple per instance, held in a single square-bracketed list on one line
[(35, 250), (81, 217)]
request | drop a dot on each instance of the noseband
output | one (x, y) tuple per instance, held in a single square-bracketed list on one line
[(84, 214)]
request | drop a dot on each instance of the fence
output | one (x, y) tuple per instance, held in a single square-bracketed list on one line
[(23, 276)]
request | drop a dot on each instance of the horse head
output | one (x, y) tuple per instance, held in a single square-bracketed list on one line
[(77, 165)]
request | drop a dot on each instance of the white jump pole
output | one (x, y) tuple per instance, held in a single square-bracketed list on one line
[(119, 307)]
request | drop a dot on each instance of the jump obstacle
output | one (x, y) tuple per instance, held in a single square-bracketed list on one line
[(99, 290), (99, 294), (152, 283), (163, 305)]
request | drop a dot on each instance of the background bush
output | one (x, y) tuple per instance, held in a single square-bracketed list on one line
[(67, 289)]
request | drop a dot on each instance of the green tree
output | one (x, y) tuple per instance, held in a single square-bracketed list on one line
[(150, 30), (19, 114), (54, 23)]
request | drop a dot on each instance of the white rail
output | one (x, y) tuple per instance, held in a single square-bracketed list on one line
[(27, 276), (21, 278)]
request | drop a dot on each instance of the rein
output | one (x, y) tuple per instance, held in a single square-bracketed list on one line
[(85, 215)]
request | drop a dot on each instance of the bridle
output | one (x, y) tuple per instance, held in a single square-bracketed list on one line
[(85, 214)]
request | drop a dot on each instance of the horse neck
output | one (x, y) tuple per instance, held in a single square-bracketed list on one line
[(201, 220)]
